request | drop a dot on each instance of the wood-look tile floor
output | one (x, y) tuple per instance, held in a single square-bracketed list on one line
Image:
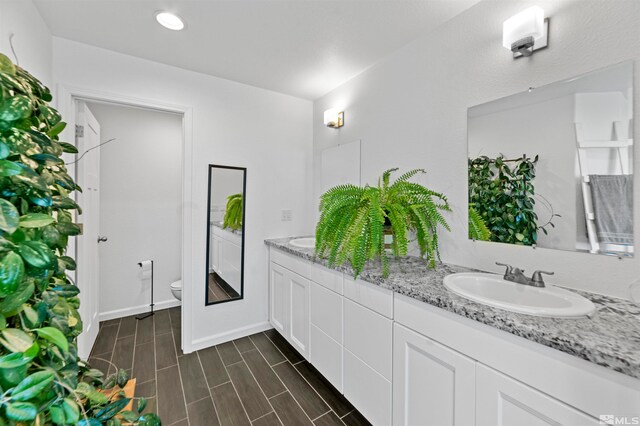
[(257, 380), (217, 292)]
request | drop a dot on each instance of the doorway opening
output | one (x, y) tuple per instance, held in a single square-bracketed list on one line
[(131, 171)]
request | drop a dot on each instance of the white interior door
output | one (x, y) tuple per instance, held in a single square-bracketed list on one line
[(88, 176)]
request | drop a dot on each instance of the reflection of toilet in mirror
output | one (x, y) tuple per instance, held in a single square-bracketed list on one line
[(176, 289)]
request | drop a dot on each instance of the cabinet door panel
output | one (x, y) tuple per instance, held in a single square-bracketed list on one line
[(368, 336), (367, 390), (231, 264), (326, 356), (214, 255), (279, 298), (432, 384), (326, 311), (299, 308), (504, 401)]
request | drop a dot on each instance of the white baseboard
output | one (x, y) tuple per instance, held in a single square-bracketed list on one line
[(237, 333), (135, 310)]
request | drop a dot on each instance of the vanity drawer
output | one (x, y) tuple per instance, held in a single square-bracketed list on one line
[(367, 390), (369, 336), (292, 263), (326, 311), (326, 356), (326, 277), (374, 297), (317, 273)]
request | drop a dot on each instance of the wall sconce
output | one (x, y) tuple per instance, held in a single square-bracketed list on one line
[(526, 32), (333, 118)]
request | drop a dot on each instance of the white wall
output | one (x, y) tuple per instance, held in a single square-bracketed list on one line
[(232, 123), (140, 206), (410, 110), (32, 38)]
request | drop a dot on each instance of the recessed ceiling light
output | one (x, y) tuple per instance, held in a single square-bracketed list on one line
[(170, 20)]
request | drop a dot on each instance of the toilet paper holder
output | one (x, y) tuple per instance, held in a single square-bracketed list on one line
[(150, 313)]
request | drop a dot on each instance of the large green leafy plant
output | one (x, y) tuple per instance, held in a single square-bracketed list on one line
[(502, 196), (233, 212), (353, 221), (42, 380)]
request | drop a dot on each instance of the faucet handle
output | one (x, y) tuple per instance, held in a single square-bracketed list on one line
[(509, 268), (536, 278)]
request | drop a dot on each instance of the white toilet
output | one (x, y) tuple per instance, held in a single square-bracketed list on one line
[(176, 289)]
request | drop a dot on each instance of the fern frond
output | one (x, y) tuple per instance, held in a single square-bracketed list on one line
[(478, 229), (421, 233), (233, 212), (398, 217), (408, 175), (385, 177), (352, 221), (376, 222), (424, 233), (355, 247)]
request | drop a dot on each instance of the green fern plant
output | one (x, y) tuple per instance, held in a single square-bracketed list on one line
[(353, 220), (477, 228), (233, 212)]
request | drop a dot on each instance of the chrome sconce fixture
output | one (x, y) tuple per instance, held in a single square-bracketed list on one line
[(334, 118), (526, 32)]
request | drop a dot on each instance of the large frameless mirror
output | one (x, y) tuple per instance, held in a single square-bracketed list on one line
[(553, 167), (225, 234)]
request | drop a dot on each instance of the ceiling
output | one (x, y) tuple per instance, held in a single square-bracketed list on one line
[(304, 48)]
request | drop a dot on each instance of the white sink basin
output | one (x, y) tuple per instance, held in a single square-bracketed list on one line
[(309, 242), (493, 290)]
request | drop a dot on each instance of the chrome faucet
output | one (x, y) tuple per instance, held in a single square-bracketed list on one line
[(516, 275)]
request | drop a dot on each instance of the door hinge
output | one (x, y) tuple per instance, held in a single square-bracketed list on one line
[(79, 131)]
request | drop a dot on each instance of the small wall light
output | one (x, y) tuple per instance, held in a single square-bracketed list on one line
[(526, 32), (333, 118)]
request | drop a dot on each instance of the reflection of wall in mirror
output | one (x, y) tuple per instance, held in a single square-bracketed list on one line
[(224, 182), (544, 129)]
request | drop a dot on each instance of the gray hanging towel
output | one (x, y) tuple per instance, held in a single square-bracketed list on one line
[(612, 197)]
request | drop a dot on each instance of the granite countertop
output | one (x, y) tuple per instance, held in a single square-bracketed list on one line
[(609, 337)]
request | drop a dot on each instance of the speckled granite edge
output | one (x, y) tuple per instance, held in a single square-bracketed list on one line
[(219, 226), (610, 337)]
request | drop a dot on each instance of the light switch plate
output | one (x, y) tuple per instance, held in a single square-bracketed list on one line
[(287, 215)]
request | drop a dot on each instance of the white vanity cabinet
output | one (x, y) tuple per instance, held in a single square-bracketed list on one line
[(432, 385), (404, 362), (226, 256), (349, 325), (502, 401), (289, 306), (326, 333), (368, 349), (514, 381), (279, 298)]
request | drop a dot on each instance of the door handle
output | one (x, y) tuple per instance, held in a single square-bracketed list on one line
[(102, 239)]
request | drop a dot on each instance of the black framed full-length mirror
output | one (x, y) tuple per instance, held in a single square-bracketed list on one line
[(225, 234)]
